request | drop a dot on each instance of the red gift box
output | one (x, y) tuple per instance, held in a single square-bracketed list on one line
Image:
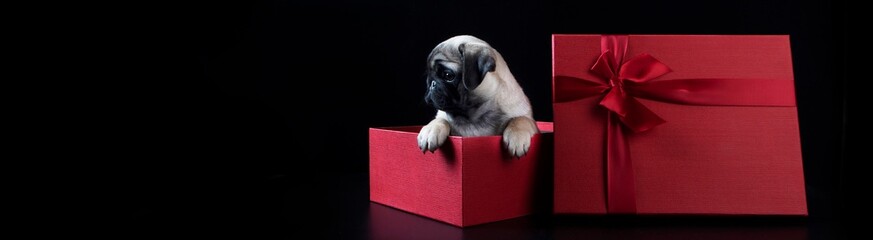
[(655, 124), (467, 181)]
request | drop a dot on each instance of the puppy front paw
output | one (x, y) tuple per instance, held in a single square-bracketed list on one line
[(433, 135), (517, 135)]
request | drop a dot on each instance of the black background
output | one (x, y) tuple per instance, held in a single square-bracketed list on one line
[(249, 115)]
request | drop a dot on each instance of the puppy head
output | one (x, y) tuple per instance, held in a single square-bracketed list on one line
[(454, 68)]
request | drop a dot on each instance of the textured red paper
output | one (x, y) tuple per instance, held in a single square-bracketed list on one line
[(705, 159), (467, 181)]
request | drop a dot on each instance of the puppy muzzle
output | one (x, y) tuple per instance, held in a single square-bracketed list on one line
[(441, 96)]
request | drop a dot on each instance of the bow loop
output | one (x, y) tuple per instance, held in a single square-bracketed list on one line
[(643, 68)]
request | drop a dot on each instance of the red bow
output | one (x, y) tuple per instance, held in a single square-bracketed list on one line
[(640, 69)]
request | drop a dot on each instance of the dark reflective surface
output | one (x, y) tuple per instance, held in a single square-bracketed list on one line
[(390, 223), (284, 207)]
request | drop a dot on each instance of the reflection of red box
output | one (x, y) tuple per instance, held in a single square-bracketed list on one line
[(389, 223), (735, 150), (467, 181)]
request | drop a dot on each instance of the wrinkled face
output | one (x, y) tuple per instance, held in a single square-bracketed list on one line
[(444, 86), (453, 72)]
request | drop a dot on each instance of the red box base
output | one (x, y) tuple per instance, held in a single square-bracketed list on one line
[(467, 181)]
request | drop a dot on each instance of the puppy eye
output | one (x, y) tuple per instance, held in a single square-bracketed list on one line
[(447, 75)]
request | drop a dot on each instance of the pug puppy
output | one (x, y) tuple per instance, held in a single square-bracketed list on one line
[(470, 85)]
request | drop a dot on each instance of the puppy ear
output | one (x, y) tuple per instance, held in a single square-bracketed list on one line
[(477, 61)]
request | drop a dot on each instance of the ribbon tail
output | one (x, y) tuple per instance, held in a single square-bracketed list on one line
[(638, 117), (621, 192)]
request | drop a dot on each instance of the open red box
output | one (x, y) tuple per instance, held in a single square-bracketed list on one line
[(467, 181)]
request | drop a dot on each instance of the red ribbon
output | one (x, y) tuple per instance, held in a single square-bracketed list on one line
[(623, 81)]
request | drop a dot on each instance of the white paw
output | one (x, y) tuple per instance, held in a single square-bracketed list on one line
[(433, 135), (517, 140)]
